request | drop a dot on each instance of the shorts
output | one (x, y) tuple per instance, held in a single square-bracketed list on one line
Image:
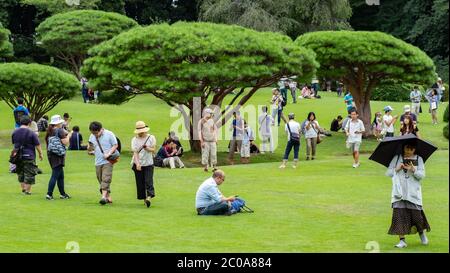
[(354, 146), (245, 150), (104, 176), (26, 172)]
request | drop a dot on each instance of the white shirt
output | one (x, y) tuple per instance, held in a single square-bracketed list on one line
[(312, 131), (145, 157), (295, 128), (352, 127), (265, 120), (388, 119)]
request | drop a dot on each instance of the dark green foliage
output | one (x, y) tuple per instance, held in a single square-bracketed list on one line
[(69, 35), (292, 17), (185, 60), (6, 48), (42, 87), (446, 114), (392, 92), (423, 23), (362, 60)]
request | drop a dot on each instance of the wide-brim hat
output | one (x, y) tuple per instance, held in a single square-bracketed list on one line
[(56, 120), (141, 127), (407, 108)]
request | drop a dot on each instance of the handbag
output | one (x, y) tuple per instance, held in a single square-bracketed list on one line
[(294, 137), (114, 158), (319, 140)]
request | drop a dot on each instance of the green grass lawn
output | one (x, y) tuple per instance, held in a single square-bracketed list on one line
[(323, 206)]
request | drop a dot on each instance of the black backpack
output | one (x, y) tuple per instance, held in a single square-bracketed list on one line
[(119, 144), (18, 114)]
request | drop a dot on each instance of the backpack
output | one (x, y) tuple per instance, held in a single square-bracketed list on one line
[(18, 114), (238, 205), (119, 145), (55, 146)]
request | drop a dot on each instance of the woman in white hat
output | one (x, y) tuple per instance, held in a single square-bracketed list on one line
[(143, 146), (57, 139)]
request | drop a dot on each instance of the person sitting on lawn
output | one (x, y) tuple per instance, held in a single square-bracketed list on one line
[(209, 200), (167, 155), (336, 124), (76, 139)]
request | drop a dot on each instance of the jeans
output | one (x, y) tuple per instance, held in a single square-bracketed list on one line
[(56, 178), (290, 145), (220, 208)]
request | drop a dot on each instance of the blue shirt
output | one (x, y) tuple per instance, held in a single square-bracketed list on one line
[(107, 141), (349, 101), (208, 194), (24, 112)]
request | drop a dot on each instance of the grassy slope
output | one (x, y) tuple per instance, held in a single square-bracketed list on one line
[(324, 206)]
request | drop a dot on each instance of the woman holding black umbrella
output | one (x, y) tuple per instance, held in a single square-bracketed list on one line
[(407, 170)]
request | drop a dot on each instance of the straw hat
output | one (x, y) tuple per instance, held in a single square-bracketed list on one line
[(141, 127), (56, 119)]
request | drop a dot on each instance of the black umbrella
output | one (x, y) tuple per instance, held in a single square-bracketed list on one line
[(391, 146)]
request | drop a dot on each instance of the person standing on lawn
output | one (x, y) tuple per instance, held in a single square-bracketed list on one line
[(265, 130), (389, 121), (59, 137), (143, 146), (238, 129), (207, 133), (311, 132), (407, 171), (292, 129)]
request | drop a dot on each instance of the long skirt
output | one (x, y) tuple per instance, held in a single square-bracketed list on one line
[(408, 221)]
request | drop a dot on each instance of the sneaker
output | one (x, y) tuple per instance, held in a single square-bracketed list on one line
[(65, 196), (282, 166), (49, 197), (27, 193), (103, 201), (147, 202), (294, 166), (23, 191), (401, 244), (423, 239)]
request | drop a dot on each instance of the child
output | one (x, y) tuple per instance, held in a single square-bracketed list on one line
[(354, 130), (377, 126), (246, 139)]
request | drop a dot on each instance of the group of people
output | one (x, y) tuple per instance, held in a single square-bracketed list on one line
[(88, 94), (408, 215)]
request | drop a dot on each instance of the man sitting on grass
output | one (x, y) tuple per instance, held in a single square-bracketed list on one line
[(209, 200)]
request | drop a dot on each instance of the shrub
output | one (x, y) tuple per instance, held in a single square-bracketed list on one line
[(389, 91)]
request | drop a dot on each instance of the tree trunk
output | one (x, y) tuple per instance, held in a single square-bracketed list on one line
[(365, 115), (361, 98)]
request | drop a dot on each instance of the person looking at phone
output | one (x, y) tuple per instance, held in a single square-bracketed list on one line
[(407, 171), (209, 200)]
